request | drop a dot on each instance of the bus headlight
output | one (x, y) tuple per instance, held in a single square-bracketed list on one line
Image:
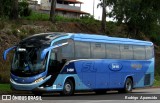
[(38, 80)]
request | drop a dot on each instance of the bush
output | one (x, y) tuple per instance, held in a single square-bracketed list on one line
[(37, 16), (65, 19), (2, 25), (23, 8), (155, 38)]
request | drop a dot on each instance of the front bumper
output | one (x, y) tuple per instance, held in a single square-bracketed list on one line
[(28, 87)]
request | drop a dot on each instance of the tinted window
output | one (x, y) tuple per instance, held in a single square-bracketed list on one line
[(82, 50), (65, 52), (112, 51), (139, 52), (60, 55), (149, 52), (97, 50), (126, 51)]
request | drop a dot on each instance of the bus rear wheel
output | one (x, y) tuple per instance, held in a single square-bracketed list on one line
[(68, 88), (128, 86)]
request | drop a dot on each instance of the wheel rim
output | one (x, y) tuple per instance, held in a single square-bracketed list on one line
[(68, 87), (129, 85)]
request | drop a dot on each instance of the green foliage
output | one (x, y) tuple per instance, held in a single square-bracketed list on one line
[(7, 8), (24, 9), (5, 87), (59, 18), (15, 32), (89, 20), (44, 17), (157, 80), (140, 16), (2, 25), (37, 16), (111, 27)]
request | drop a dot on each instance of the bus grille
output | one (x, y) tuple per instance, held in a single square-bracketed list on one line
[(147, 79)]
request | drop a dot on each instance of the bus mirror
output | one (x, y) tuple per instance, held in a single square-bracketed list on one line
[(45, 51), (7, 51)]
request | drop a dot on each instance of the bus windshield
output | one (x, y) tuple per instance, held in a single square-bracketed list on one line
[(27, 62)]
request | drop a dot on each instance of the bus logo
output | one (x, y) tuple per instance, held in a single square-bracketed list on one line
[(115, 66)]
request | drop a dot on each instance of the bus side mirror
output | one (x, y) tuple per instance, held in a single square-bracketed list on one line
[(7, 51), (45, 51)]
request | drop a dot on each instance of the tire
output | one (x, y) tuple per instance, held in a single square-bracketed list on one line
[(128, 86), (68, 88)]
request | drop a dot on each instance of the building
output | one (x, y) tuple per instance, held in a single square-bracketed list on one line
[(66, 8), (33, 4)]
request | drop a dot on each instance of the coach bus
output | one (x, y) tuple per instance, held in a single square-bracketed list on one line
[(69, 62)]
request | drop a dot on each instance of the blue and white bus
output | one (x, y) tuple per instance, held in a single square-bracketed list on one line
[(69, 62)]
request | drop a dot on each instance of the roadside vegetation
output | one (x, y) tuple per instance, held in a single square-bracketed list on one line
[(5, 88)]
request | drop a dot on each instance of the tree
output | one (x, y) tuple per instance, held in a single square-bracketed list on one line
[(103, 23), (5, 8), (14, 10), (138, 15), (52, 11), (1, 9), (104, 4)]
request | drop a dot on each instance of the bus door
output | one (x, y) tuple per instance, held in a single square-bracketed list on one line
[(55, 65)]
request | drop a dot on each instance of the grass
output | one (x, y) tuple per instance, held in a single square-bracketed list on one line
[(157, 81), (37, 16), (5, 87)]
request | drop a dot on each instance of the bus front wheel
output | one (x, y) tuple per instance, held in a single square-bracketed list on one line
[(128, 86), (68, 88)]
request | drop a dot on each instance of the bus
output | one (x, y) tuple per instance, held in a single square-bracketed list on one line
[(71, 62)]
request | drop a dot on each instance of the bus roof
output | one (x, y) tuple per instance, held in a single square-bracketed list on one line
[(41, 39), (107, 39), (47, 38)]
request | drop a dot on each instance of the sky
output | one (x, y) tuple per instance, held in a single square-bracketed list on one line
[(87, 6)]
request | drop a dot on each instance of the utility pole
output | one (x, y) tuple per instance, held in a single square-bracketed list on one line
[(93, 7)]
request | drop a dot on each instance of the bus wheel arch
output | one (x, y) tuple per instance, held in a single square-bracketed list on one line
[(128, 85), (69, 86)]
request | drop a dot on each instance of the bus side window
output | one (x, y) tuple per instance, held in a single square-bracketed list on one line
[(139, 52), (113, 51), (82, 50), (67, 51), (126, 51), (149, 52), (97, 50)]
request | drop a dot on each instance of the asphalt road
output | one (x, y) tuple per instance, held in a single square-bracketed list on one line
[(140, 95)]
